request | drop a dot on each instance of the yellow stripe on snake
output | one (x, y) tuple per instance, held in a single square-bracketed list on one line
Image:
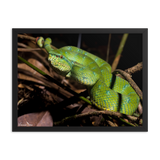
[(107, 91)]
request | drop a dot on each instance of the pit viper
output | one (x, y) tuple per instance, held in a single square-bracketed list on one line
[(106, 91)]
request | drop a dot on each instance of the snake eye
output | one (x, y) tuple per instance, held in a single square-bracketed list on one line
[(61, 56)]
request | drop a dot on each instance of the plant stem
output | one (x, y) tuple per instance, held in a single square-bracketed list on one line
[(108, 47), (119, 51)]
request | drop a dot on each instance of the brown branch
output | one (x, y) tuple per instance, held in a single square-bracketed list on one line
[(111, 123), (46, 82), (28, 49), (26, 37), (45, 62), (95, 113), (135, 68), (25, 46)]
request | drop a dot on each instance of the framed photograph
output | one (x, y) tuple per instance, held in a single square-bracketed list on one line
[(80, 79)]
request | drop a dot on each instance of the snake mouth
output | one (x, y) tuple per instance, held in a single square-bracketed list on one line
[(60, 70)]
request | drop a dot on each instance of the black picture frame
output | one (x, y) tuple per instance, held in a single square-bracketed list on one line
[(144, 30)]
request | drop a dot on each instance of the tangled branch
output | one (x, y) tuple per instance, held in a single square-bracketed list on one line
[(96, 113)]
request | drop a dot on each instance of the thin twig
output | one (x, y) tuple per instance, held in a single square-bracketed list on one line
[(26, 37), (28, 49), (106, 112), (43, 60), (46, 82), (111, 123), (135, 68)]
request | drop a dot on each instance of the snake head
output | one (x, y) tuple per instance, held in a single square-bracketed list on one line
[(40, 41), (60, 63)]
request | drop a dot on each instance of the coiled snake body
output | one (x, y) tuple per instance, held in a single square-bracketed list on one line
[(107, 92)]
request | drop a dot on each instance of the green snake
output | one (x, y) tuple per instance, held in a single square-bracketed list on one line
[(107, 91)]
